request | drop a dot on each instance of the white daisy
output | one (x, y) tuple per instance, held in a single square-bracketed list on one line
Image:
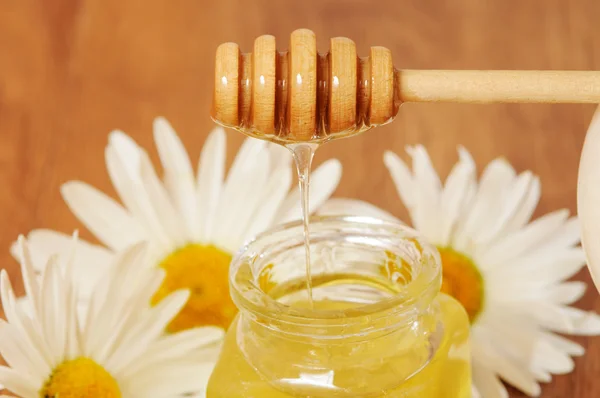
[(509, 274), (118, 350), (193, 223)]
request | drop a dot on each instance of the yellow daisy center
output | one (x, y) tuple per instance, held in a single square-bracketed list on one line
[(462, 280), (80, 378), (203, 270)]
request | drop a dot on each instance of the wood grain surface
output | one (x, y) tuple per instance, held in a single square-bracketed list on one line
[(71, 71)]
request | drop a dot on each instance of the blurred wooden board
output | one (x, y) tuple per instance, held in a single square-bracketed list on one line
[(71, 71)]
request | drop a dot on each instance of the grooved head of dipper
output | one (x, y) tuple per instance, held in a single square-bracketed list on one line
[(301, 95)]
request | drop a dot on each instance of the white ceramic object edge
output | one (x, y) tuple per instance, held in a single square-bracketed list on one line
[(588, 197)]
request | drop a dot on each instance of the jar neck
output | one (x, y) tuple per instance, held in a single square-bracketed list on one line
[(384, 273)]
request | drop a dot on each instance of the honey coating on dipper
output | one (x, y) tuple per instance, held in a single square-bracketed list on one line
[(300, 95)]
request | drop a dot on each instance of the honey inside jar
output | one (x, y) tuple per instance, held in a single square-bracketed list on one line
[(377, 325)]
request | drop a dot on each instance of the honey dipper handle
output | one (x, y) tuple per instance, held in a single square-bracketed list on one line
[(498, 86)]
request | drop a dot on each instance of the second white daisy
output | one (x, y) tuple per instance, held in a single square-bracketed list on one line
[(508, 273), (193, 223), (117, 350)]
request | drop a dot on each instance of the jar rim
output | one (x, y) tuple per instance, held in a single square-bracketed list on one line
[(253, 299)]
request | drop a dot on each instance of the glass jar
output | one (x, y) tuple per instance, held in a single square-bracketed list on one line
[(377, 325)]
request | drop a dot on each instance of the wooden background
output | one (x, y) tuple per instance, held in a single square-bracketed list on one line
[(71, 70)]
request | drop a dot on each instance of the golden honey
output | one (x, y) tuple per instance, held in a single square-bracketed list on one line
[(377, 325)]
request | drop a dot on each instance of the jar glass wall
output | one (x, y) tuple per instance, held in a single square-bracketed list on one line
[(377, 326)]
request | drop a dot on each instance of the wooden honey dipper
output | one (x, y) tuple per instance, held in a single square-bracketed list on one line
[(301, 95)]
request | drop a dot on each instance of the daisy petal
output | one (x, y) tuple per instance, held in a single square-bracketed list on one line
[(567, 235), (21, 357), (510, 372), (122, 317), (584, 323), (103, 216), (494, 182), (125, 176), (128, 151), (566, 293), (29, 279), (31, 332), (122, 156), (7, 295), (53, 306), (562, 319), (184, 378), (487, 383), (211, 170), (563, 344), (160, 202), (274, 194), (174, 346), (523, 214), (91, 259), (455, 192), (563, 293), (512, 201), (250, 167), (179, 174), (548, 358), (537, 271), (402, 177), (497, 326), (526, 239), (556, 266), (18, 383), (148, 329), (232, 231), (21, 327), (540, 375), (426, 212)]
